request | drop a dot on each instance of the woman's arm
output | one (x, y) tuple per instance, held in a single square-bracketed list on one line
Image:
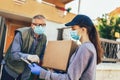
[(75, 70)]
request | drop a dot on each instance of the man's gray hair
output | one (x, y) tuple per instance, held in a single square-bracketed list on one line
[(38, 17)]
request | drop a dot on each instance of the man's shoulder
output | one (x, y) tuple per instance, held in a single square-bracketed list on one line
[(44, 37), (23, 28)]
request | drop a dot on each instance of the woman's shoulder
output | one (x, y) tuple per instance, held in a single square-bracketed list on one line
[(88, 46)]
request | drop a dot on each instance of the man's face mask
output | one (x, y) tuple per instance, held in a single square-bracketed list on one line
[(39, 30), (74, 35)]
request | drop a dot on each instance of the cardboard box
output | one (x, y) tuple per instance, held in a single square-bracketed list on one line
[(57, 54)]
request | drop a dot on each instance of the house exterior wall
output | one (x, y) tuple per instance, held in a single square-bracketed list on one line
[(31, 8), (51, 29)]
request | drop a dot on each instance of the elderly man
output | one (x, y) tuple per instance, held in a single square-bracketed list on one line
[(29, 43)]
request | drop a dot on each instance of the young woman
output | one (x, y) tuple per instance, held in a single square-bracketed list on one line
[(83, 62)]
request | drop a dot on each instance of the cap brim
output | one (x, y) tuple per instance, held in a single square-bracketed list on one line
[(70, 24)]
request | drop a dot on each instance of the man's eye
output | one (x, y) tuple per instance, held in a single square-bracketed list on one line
[(39, 24), (43, 24)]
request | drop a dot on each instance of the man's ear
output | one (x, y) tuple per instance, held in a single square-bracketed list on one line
[(32, 26)]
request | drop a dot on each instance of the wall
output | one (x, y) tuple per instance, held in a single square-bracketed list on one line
[(108, 71), (51, 29)]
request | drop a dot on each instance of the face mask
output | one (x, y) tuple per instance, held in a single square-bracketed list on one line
[(74, 35), (39, 30)]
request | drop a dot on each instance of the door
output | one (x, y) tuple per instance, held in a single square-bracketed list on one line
[(2, 36), (12, 25)]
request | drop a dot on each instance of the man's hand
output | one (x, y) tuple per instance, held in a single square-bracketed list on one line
[(35, 69), (33, 58)]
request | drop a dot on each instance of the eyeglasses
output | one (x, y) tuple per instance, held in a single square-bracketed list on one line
[(43, 25)]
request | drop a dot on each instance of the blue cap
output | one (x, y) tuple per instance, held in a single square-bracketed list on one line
[(80, 20)]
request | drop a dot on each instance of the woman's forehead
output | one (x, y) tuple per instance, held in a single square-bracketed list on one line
[(75, 27)]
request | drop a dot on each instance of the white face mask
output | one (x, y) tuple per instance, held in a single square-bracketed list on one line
[(39, 30)]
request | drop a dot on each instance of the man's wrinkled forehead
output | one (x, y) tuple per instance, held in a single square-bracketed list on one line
[(38, 21)]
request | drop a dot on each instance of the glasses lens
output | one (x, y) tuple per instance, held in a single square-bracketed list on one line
[(43, 25)]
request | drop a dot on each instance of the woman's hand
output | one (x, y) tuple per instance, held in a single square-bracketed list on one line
[(35, 69)]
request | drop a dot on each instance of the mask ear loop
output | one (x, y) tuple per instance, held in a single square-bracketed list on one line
[(78, 41)]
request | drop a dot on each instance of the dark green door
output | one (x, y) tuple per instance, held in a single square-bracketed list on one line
[(2, 36)]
